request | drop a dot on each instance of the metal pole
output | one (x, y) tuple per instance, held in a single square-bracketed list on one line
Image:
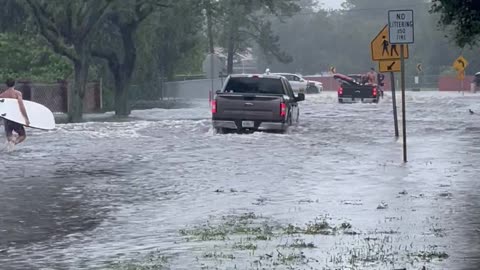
[(394, 103), (210, 94), (404, 121)]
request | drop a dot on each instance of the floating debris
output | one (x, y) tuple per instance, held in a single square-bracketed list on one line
[(382, 205)]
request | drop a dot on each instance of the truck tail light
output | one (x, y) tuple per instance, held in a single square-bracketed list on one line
[(374, 91), (340, 91), (283, 109), (214, 106)]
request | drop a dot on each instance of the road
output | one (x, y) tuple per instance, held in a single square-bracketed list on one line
[(88, 194)]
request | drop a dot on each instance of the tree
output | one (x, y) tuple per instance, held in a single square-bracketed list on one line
[(247, 21), (12, 16), (175, 43), (123, 22), (208, 5), (33, 60), (69, 28), (462, 16)]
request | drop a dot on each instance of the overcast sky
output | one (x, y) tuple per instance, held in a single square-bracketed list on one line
[(331, 3)]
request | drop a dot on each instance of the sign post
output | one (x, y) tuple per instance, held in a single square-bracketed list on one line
[(388, 58), (401, 31), (394, 102)]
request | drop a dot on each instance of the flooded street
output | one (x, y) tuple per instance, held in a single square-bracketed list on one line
[(86, 195)]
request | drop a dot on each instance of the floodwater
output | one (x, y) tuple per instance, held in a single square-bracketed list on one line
[(87, 194)]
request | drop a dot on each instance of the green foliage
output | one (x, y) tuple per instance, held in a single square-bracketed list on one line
[(25, 57), (13, 16), (171, 41), (462, 16), (243, 24)]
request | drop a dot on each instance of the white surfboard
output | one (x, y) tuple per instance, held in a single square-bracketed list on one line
[(40, 116)]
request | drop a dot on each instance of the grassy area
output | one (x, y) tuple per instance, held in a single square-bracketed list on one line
[(153, 261), (251, 241)]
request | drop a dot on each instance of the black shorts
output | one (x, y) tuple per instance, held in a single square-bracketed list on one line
[(12, 126)]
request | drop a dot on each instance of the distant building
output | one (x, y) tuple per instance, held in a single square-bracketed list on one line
[(243, 62)]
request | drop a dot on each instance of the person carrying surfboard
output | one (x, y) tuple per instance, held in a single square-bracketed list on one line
[(11, 126)]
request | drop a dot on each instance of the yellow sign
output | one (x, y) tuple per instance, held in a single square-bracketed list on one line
[(389, 66), (383, 50), (460, 64), (461, 75)]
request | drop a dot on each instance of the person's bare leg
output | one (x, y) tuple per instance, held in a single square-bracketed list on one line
[(11, 139), (10, 143), (20, 139)]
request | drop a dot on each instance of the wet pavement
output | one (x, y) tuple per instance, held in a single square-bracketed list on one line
[(88, 194)]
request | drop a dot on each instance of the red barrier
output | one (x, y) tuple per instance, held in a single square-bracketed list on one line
[(448, 83)]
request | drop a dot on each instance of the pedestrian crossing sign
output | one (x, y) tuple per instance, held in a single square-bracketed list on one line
[(383, 50)]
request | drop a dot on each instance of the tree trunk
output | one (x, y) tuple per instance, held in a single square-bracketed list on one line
[(231, 49), (233, 29), (75, 110), (124, 71), (122, 104), (208, 8)]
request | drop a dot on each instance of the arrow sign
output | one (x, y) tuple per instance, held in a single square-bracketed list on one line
[(460, 64), (419, 68), (389, 66)]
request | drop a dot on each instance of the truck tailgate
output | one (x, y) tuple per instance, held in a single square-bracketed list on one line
[(358, 91), (248, 107)]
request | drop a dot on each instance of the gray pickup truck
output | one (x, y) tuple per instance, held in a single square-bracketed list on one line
[(250, 102)]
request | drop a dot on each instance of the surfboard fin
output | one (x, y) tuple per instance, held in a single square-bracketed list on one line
[(2, 100), (3, 114)]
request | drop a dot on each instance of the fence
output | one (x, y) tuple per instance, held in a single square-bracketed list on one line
[(421, 82), (438, 83), (55, 96), (192, 88)]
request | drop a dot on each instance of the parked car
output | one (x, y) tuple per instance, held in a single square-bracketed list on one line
[(251, 102), (351, 90), (300, 84)]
